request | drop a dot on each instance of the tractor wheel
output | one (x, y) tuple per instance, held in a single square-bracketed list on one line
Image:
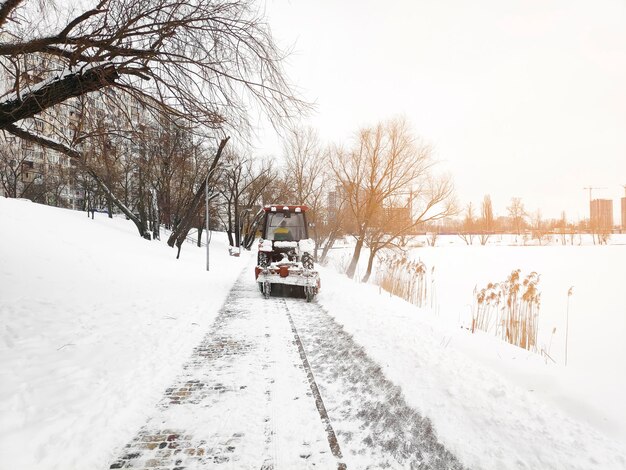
[(307, 261), (263, 260)]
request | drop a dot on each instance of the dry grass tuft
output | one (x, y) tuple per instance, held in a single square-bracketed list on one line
[(405, 279), (510, 309)]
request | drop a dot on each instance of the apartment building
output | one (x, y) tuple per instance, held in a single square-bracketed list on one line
[(601, 211)]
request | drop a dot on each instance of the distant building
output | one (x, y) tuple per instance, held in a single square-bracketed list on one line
[(36, 173), (333, 204), (601, 211), (623, 213)]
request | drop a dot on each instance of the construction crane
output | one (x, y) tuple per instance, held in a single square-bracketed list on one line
[(590, 188)]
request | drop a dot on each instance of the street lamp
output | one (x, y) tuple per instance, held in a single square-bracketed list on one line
[(206, 218)]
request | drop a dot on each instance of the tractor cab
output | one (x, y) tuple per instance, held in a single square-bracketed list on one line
[(285, 255), (285, 226)]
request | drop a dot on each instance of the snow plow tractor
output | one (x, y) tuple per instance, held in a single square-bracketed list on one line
[(285, 259)]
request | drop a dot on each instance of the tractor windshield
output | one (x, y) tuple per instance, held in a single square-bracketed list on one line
[(285, 226)]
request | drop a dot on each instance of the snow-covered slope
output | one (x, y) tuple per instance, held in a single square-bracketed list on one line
[(486, 419), (94, 324)]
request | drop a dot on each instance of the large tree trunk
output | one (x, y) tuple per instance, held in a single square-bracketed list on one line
[(141, 204), (155, 219), (182, 229), (200, 227), (370, 264), (332, 237), (229, 225), (356, 255), (110, 206)]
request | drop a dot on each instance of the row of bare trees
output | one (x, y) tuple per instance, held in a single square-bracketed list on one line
[(387, 179), (518, 221), (481, 227), (378, 188), (139, 95), (485, 225)]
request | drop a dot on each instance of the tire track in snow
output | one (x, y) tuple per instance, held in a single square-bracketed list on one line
[(319, 403), (251, 397), (375, 425), (241, 400)]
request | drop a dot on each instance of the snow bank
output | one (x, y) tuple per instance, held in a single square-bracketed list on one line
[(95, 324), (592, 386), (486, 419)]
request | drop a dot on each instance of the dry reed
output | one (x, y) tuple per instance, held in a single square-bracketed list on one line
[(509, 309), (405, 279)]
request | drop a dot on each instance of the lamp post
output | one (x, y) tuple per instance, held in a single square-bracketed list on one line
[(206, 218)]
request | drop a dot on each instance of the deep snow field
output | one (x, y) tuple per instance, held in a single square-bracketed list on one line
[(496, 404), (593, 384), (95, 323)]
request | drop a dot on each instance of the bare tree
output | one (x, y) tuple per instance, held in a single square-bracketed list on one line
[(242, 184), (17, 172), (539, 228), (200, 63), (469, 225), (179, 235), (517, 213), (56, 184), (331, 226), (486, 222), (177, 162), (198, 60), (305, 162), (306, 175), (386, 162)]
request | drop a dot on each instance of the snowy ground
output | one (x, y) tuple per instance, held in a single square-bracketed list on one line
[(486, 419), (95, 324), (240, 401), (591, 388), (107, 341), (251, 397), (593, 385)]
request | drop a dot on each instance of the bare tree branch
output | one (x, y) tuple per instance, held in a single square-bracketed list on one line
[(55, 92), (201, 59), (6, 8)]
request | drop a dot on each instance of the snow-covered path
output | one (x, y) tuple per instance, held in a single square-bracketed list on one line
[(245, 399), (375, 426)]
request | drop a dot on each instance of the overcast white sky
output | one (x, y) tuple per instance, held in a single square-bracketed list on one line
[(522, 98)]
